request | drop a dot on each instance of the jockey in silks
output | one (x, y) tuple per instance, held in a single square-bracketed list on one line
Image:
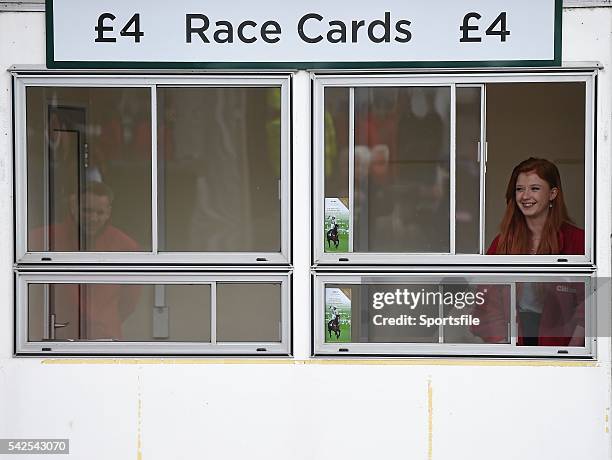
[(334, 224), (335, 314)]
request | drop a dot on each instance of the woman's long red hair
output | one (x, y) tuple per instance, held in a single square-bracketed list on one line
[(515, 236)]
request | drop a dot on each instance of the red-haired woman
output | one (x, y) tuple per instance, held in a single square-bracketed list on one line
[(536, 219), (549, 313)]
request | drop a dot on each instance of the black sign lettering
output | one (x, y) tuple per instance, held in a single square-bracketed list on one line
[(466, 28), (190, 29), (337, 34), (386, 25), (401, 28), (502, 32), (224, 32), (101, 28), (136, 33), (270, 28), (301, 32), (241, 35), (355, 29)]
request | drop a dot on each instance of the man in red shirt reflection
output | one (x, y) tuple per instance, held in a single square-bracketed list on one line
[(88, 311)]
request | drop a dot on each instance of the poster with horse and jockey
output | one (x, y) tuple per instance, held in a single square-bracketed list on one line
[(337, 229), (337, 314)]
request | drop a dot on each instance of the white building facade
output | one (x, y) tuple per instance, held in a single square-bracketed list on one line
[(270, 381)]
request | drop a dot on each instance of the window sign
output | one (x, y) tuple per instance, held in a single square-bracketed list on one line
[(314, 34)]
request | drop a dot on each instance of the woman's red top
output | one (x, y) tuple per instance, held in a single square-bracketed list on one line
[(563, 312), (571, 241)]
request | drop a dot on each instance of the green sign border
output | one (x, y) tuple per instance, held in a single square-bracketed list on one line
[(53, 64)]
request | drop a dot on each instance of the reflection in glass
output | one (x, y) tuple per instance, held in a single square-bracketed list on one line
[(467, 210), (219, 169), (488, 305), (550, 314), (122, 312), (336, 138), (452, 311), (547, 314), (337, 198), (402, 150), (248, 312), (401, 169), (89, 169)]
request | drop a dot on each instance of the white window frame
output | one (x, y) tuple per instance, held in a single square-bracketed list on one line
[(25, 79), (320, 82), (104, 347), (321, 348)]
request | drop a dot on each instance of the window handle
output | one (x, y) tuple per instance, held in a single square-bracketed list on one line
[(58, 325), (54, 325), (483, 152)]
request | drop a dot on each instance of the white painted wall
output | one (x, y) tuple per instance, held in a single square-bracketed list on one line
[(215, 409)]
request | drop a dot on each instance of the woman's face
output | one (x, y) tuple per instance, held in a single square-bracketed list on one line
[(533, 195)]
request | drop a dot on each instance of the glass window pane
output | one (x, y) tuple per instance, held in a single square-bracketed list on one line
[(401, 196), (486, 306), (402, 145), (89, 169), (416, 313), (356, 309), (219, 169), (467, 163), (545, 121), (122, 312), (248, 312), (550, 314), (336, 138), (550, 311), (187, 308)]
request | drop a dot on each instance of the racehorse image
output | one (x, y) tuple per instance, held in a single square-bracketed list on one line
[(332, 236), (334, 326)]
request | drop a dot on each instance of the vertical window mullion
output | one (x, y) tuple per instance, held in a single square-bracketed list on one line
[(46, 172), (589, 164), (482, 146), (213, 313), (22, 328), (285, 168), (21, 168), (318, 167), (154, 175), (46, 312), (285, 316), (351, 167), (441, 314), (453, 168), (590, 313)]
